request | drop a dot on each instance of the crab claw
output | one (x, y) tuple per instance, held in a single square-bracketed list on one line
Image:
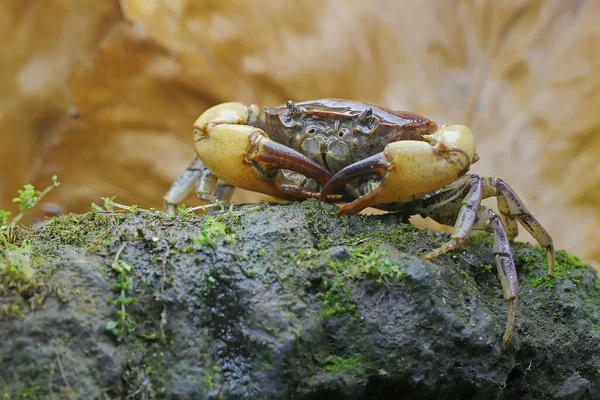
[(227, 113), (409, 168), (245, 157)]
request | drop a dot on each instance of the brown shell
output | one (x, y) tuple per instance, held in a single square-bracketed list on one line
[(346, 131)]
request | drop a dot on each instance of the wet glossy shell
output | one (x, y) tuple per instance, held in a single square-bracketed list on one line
[(336, 133)]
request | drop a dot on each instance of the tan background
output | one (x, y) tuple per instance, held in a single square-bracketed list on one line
[(103, 93)]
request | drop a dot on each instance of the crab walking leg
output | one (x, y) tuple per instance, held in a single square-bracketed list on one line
[(409, 167), (245, 157), (183, 185), (223, 192), (198, 178), (507, 274), (209, 188), (465, 219), (516, 208), (509, 221)]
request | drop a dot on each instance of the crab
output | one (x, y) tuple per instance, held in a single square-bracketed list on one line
[(364, 155)]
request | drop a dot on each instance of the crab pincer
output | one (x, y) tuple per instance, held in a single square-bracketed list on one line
[(408, 168), (243, 155)]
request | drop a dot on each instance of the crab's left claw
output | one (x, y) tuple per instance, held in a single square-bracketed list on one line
[(245, 157), (408, 168)]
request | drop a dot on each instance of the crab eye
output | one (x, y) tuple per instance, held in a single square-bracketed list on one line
[(312, 129)]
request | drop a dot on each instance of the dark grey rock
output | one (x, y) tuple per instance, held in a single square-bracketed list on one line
[(290, 302), (574, 388)]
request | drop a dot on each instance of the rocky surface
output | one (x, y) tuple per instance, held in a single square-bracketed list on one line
[(287, 302)]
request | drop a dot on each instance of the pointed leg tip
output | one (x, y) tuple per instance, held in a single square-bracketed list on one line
[(443, 249), (169, 208), (510, 320), (354, 207), (551, 260), (432, 254), (343, 211)]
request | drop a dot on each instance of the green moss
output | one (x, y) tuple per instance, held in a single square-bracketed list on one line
[(375, 264), (354, 364), (147, 367), (481, 239), (336, 299), (304, 258), (35, 389), (212, 230), (365, 261), (15, 264), (91, 230), (565, 262), (564, 266), (209, 380), (324, 241)]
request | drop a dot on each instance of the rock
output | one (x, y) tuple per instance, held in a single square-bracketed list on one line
[(287, 301), (574, 388)]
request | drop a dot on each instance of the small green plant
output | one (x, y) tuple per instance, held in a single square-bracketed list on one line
[(214, 229), (15, 263), (124, 322), (110, 204), (337, 299), (4, 217), (488, 267), (28, 198), (377, 264)]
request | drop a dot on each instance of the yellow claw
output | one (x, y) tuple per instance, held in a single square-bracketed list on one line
[(245, 157), (409, 167), (227, 113), (417, 168), (455, 139)]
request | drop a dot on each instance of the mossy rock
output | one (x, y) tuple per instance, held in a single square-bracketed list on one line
[(287, 302)]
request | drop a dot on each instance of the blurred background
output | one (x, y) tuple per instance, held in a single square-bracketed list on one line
[(103, 93)]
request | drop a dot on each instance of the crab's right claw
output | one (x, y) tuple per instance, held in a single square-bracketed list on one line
[(408, 168), (245, 157)]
